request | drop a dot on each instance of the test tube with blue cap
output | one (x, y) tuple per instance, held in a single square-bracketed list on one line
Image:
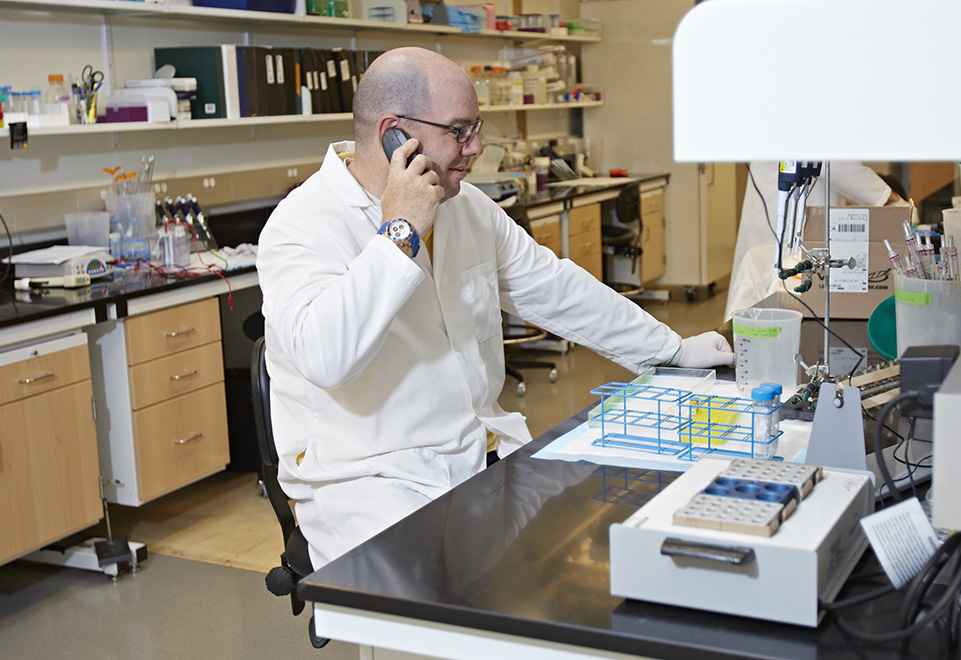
[(762, 407), (776, 414)]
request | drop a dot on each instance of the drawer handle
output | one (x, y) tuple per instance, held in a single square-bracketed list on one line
[(196, 436), (177, 333), (735, 555), (44, 376), (188, 374), (587, 246)]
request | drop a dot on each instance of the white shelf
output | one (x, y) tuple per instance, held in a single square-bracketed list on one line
[(143, 126), (108, 7), (573, 105), (189, 12)]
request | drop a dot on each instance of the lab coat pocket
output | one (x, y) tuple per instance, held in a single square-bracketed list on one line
[(480, 286)]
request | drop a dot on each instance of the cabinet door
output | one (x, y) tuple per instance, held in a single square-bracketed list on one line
[(49, 471), (585, 238), (652, 236)]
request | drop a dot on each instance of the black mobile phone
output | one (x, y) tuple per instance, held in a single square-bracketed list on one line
[(393, 138)]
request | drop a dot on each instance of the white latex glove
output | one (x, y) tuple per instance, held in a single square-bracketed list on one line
[(708, 349)]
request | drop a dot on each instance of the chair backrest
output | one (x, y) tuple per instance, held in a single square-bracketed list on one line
[(629, 204), (260, 393)]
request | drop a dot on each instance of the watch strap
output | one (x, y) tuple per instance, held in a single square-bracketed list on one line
[(413, 242)]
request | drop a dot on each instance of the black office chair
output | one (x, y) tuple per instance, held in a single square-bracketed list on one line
[(295, 561), (623, 240), (516, 335)]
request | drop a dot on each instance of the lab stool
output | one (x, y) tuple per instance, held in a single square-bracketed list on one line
[(514, 336)]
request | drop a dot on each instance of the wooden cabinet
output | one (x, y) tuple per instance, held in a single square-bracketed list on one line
[(547, 232), (162, 378), (652, 235), (49, 473), (584, 227)]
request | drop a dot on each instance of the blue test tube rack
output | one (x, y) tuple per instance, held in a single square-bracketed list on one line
[(678, 423)]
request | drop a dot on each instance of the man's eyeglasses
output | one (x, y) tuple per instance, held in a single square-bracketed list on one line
[(463, 134)]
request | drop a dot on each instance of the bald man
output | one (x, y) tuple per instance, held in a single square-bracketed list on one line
[(383, 288)]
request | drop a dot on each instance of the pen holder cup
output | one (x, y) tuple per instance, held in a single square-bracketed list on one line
[(928, 312), (87, 228)]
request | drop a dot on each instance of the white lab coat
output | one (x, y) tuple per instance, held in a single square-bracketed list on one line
[(756, 249), (385, 371)]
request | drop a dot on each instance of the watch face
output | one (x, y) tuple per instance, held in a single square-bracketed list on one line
[(399, 230)]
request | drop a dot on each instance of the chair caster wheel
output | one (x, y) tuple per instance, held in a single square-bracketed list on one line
[(521, 389), (553, 375)]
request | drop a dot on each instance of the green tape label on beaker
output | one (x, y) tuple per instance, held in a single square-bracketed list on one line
[(750, 331), (912, 297)]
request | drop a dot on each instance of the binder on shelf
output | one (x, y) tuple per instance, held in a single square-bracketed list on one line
[(205, 63), (347, 77), (360, 63), (228, 55), (258, 96), (329, 62), (288, 78), (315, 80)]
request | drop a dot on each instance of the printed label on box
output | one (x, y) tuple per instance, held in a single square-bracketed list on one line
[(849, 238)]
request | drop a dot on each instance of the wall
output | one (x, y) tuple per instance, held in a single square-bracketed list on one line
[(636, 130)]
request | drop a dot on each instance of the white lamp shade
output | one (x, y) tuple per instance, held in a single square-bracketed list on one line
[(818, 80)]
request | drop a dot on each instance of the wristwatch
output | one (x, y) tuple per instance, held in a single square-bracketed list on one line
[(401, 232)]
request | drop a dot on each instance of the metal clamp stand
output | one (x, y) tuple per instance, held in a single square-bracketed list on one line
[(837, 436)]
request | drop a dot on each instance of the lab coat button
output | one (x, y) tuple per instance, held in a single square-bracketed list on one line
[(456, 348)]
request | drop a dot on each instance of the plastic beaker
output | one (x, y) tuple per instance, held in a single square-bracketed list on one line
[(765, 343), (927, 312), (88, 228), (133, 215)]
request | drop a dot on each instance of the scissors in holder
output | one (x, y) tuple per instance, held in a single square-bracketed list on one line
[(90, 80)]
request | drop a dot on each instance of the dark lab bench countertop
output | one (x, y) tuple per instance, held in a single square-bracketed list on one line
[(18, 307), (522, 549), (561, 193)]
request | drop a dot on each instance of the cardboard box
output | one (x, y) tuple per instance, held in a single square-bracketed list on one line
[(858, 231)]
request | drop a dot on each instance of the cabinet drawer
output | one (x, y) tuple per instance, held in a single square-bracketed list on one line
[(547, 230), (592, 263), (585, 243), (44, 373), (584, 218), (155, 335), (180, 440), (183, 372), (49, 472), (651, 202)]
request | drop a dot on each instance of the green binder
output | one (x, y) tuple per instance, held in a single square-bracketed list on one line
[(206, 65)]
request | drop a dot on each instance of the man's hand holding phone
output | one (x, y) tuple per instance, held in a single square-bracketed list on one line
[(413, 191)]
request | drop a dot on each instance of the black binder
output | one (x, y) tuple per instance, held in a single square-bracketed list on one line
[(347, 77), (333, 79)]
